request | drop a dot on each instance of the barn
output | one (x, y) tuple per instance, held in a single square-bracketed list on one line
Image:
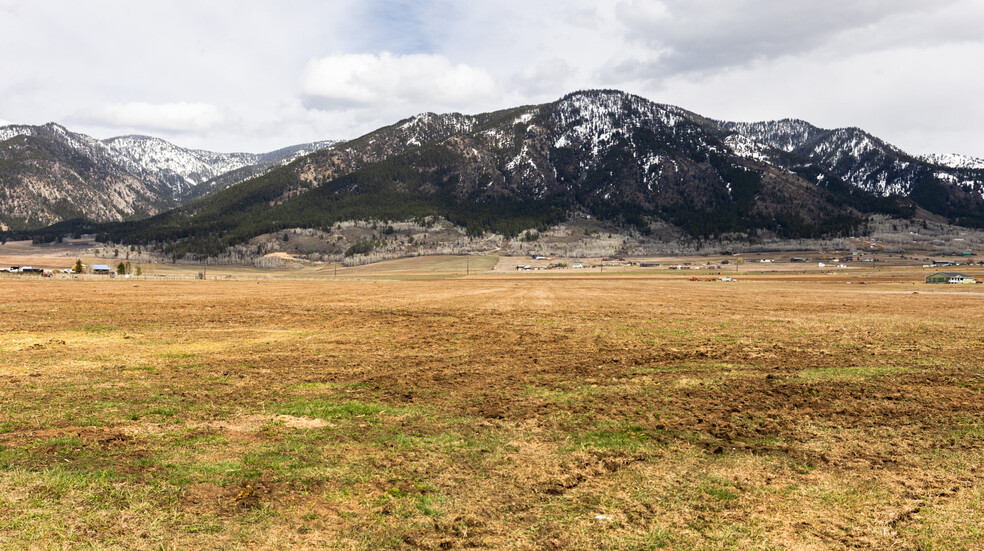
[(101, 269), (949, 277)]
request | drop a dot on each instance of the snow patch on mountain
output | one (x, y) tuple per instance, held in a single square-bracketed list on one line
[(14, 130), (525, 117), (425, 126), (169, 165), (786, 134), (597, 119), (747, 147), (954, 160)]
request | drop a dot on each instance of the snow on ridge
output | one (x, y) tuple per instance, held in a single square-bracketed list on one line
[(525, 117), (162, 161), (949, 160), (743, 146), (14, 130), (785, 134), (423, 127), (600, 117)]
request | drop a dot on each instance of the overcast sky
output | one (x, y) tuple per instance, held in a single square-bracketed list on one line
[(251, 75)]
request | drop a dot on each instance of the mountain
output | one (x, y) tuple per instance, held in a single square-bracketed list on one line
[(950, 186), (160, 175), (48, 174), (169, 166), (646, 168)]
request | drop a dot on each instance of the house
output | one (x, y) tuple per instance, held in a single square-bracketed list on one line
[(101, 269), (949, 277)]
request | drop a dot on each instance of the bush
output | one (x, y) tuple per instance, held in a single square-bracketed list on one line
[(362, 247)]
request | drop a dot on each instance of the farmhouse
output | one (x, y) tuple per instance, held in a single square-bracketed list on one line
[(949, 277), (101, 269)]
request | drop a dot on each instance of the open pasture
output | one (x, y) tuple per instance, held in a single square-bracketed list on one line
[(492, 412)]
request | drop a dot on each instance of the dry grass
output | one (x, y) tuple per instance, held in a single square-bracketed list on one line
[(508, 413)]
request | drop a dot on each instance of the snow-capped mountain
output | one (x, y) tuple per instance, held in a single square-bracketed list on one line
[(168, 165), (182, 170), (857, 157), (161, 174)]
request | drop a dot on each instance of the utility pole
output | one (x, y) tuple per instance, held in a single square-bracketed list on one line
[(467, 268)]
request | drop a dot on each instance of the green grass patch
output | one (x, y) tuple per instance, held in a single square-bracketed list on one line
[(720, 493), (312, 386), (613, 436), (968, 428), (64, 442), (184, 473), (853, 372), (141, 368), (163, 412), (329, 410)]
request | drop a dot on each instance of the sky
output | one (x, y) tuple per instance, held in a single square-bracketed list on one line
[(252, 75)]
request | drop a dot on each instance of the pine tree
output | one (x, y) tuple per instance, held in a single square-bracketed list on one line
[(78, 268)]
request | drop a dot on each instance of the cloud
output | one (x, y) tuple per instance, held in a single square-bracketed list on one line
[(169, 117), (366, 80), (267, 74), (706, 35), (549, 76)]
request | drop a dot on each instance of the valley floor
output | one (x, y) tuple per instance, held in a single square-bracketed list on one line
[(609, 411)]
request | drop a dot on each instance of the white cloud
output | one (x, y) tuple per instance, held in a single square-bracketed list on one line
[(709, 35), (368, 80), (273, 74), (550, 76), (169, 117)]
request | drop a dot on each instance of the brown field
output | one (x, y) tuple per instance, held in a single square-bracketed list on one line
[(784, 411)]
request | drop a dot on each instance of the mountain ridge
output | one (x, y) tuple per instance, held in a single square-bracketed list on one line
[(163, 174), (649, 168)]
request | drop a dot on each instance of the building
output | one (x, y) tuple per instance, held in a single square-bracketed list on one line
[(101, 269), (949, 277)]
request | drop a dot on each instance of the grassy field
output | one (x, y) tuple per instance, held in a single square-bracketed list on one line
[(492, 412)]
